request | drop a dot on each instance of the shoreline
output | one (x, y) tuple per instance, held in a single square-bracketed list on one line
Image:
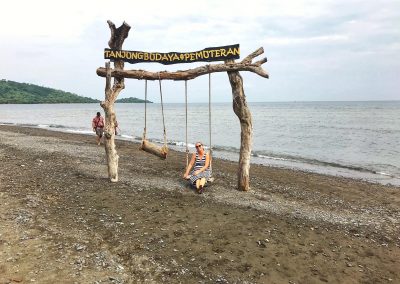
[(323, 168), (151, 227)]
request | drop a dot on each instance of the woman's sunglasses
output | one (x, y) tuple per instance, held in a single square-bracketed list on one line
[(198, 146)]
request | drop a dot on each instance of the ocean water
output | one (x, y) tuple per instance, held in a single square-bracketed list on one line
[(352, 139)]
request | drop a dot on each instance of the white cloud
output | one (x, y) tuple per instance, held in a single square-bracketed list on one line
[(305, 40), (60, 43)]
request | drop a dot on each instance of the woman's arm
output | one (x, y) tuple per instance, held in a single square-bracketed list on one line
[(191, 163)]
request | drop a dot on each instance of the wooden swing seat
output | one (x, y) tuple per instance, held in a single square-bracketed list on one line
[(161, 152)]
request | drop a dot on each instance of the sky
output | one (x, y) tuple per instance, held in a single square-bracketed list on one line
[(331, 50)]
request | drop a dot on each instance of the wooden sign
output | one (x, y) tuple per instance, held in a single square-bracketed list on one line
[(219, 53)]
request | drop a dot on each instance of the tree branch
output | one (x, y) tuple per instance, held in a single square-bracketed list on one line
[(251, 56), (108, 79), (118, 35), (244, 65)]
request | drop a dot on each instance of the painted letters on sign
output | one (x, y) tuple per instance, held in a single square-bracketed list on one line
[(208, 54)]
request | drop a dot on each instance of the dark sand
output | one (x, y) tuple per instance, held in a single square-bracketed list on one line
[(62, 221)]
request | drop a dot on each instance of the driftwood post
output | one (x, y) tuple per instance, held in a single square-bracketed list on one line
[(118, 35), (246, 126)]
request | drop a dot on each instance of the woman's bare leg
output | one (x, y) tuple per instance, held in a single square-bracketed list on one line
[(202, 182)]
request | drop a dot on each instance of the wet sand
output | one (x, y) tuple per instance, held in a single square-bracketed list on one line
[(62, 221)]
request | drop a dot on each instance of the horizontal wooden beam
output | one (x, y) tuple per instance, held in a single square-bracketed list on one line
[(244, 65)]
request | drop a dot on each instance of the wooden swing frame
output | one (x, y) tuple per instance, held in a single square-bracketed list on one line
[(118, 36)]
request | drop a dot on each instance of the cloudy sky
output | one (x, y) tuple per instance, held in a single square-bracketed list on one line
[(317, 50)]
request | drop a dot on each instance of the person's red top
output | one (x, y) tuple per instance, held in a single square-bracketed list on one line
[(98, 121)]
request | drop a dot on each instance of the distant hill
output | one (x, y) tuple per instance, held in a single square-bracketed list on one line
[(131, 100), (22, 93)]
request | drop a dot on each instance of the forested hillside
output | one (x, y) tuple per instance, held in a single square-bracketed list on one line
[(131, 100), (22, 93)]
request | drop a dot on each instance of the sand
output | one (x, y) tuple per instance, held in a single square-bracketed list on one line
[(62, 221)]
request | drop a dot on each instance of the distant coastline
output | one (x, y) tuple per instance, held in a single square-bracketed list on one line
[(132, 100), (24, 93)]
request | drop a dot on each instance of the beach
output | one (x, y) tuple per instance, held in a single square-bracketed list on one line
[(62, 221)]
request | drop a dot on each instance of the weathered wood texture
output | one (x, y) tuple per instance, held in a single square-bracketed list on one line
[(243, 113), (151, 148), (118, 35), (245, 65)]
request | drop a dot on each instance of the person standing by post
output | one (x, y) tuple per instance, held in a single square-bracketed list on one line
[(98, 125), (116, 127)]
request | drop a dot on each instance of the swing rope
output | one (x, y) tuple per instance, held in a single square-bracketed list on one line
[(186, 118), (145, 111), (209, 117), (162, 110), (147, 146)]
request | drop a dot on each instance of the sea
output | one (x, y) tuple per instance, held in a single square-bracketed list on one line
[(360, 140)]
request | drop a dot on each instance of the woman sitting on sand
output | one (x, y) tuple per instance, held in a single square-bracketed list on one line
[(201, 172)]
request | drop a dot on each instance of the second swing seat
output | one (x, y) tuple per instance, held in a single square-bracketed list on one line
[(152, 148)]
